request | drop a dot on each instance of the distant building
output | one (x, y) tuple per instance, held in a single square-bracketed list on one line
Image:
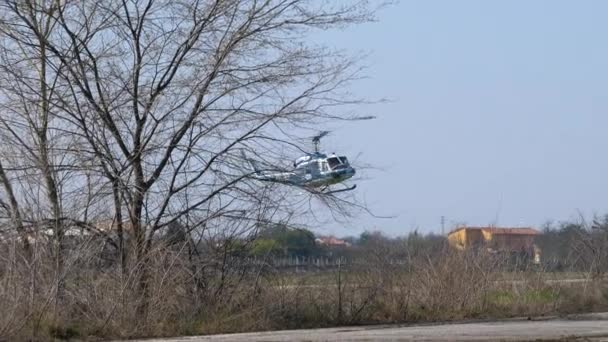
[(496, 239), (331, 241)]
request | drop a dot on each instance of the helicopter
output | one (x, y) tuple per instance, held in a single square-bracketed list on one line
[(317, 171)]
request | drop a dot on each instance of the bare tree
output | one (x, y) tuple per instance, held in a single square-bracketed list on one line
[(13, 210), (37, 167), (590, 244), (144, 107)]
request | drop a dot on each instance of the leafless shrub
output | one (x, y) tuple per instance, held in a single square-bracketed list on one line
[(591, 246)]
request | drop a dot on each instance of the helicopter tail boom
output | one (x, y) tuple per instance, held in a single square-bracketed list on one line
[(254, 165)]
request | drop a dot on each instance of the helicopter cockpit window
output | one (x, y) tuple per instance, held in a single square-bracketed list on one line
[(343, 160), (333, 162)]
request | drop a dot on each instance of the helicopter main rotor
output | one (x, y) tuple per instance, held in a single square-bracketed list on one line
[(316, 140)]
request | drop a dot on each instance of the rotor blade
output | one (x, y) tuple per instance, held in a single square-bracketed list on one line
[(366, 117), (318, 137)]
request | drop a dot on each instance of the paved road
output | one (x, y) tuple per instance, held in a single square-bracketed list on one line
[(591, 327), (566, 281)]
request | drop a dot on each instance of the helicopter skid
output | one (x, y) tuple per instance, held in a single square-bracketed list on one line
[(340, 190)]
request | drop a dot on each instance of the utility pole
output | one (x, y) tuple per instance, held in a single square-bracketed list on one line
[(442, 225)]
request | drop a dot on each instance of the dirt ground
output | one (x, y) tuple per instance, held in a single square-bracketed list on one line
[(587, 327)]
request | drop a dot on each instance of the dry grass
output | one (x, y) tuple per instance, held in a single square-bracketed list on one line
[(186, 297)]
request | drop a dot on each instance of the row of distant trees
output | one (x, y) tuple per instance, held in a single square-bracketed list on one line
[(565, 246), (279, 240)]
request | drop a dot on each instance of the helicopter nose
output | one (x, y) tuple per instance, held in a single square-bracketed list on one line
[(344, 173), (351, 172)]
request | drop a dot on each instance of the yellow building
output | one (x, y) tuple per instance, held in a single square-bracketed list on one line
[(495, 239)]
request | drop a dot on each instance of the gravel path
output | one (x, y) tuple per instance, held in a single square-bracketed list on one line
[(589, 327)]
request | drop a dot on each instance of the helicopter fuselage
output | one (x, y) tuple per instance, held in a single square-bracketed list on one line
[(314, 170)]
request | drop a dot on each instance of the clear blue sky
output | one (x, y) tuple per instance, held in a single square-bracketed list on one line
[(500, 109)]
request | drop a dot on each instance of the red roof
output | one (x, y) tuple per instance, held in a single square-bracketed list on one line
[(512, 231), (502, 230), (331, 241)]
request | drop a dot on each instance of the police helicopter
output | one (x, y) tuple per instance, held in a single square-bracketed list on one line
[(315, 171)]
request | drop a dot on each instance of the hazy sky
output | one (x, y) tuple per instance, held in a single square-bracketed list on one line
[(500, 110)]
